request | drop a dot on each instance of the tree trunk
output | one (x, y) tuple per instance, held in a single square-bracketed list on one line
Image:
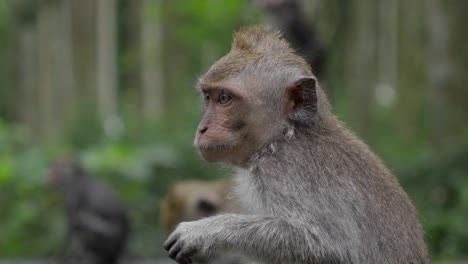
[(361, 65), (64, 68), (152, 81), (27, 77), (387, 53), (440, 67), (55, 68), (47, 26), (84, 50), (106, 60), (447, 73)]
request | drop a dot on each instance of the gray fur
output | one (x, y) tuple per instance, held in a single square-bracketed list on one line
[(316, 193)]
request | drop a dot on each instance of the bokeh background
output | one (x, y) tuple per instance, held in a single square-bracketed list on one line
[(110, 81)]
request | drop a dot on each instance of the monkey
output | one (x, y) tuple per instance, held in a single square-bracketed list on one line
[(315, 192), (287, 16), (98, 224), (196, 199)]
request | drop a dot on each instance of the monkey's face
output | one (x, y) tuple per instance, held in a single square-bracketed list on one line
[(223, 126), (63, 172), (252, 96), (237, 120)]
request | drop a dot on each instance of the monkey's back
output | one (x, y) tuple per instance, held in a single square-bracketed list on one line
[(103, 224), (391, 232), (345, 189)]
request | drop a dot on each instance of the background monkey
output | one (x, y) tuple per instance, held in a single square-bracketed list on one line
[(98, 225), (287, 15), (318, 193), (193, 200), (196, 199)]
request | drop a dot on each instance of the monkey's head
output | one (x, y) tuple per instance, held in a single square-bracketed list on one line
[(65, 172), (193, 200), (260, 91)]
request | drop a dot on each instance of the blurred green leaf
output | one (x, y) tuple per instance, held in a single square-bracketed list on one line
[(6, 169)]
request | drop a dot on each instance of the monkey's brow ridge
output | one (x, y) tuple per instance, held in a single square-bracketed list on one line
[(211, 88)]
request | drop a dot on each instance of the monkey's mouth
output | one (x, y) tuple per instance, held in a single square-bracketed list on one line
[(215, 152), (215, 148)]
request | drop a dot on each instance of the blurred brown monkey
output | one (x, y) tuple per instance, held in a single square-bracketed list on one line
[(195, 199)]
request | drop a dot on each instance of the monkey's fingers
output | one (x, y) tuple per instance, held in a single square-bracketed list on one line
[(182, 258), (185, 261), (175, 251), (170, 241)]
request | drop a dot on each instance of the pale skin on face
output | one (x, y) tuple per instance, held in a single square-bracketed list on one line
[(231, 131), (221, 134)]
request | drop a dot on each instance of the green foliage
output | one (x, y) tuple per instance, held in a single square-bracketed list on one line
[(439, 188), (148, 156), (203, 21), (32, 220), (6, 71)]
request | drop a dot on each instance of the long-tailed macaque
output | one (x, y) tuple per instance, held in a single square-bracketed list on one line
[(317, 193), (195, 199), (98, 225)]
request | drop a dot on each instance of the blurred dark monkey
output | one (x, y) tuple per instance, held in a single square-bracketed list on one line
[(98, 225), (288, 17)]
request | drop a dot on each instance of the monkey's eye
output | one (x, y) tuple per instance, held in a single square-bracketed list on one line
[(206, 97), (224, 98)]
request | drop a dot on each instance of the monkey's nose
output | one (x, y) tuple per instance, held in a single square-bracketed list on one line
[(202, 129)]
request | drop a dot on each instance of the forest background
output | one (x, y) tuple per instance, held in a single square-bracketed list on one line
[(110, 81)]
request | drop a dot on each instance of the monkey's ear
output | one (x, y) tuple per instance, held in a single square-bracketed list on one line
[(303, 100)]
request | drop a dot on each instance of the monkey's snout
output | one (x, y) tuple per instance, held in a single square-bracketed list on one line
[(206, 207), (202, 130)]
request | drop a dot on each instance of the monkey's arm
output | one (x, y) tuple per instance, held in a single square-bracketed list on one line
[(280, 240), (93, 222)]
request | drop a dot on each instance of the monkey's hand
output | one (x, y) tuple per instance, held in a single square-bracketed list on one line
[(187, 240)]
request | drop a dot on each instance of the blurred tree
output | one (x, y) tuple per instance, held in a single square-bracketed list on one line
[(142, 66), (128, 23), (84, 46), (26, 64), (387, 48), (396, 70), (361, 65), (446, 73), (151, 55), (55, 67), (106, 34)]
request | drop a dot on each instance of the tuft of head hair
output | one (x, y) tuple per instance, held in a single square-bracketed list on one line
[(259, 39), (251, 44)]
